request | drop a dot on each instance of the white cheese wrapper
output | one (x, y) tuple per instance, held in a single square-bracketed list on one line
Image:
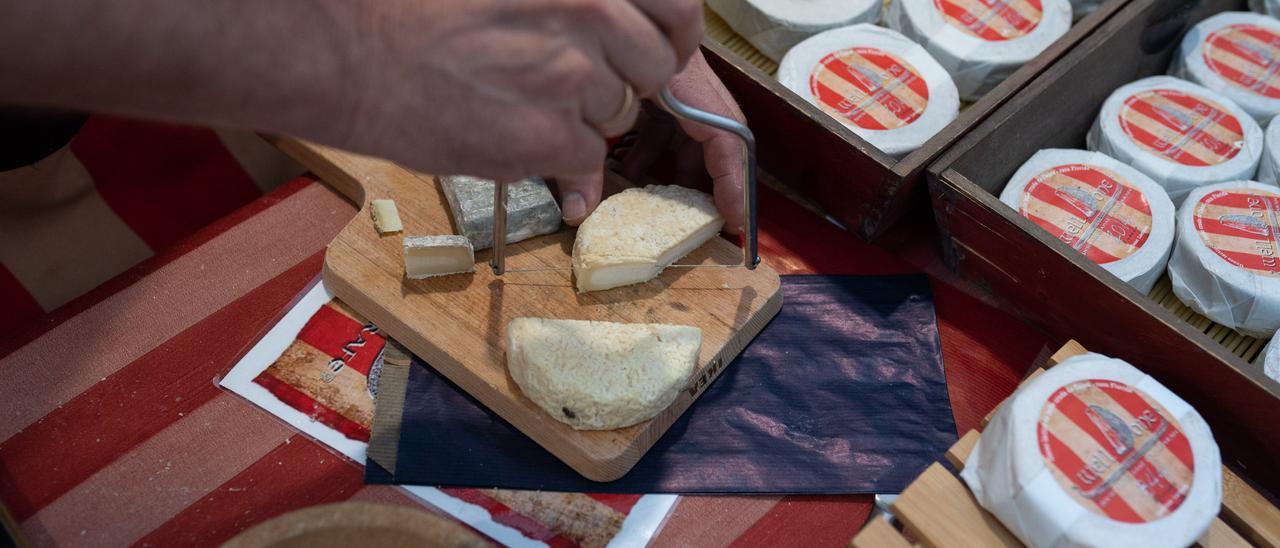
[(1181, 134), (1095, 453), (1270, 163), (1111, 213), (1271, 358), (1236, 54), (1265, 7), (876, 82), (1226, 262), (1082, 8), (774, 26), (980, 45)]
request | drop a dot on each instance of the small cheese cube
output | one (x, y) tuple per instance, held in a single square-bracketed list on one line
[(385, 217), (429, 256)]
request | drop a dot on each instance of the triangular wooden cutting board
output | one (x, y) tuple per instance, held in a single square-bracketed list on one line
[(458, 323)]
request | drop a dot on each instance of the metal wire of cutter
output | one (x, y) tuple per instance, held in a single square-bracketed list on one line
[(668, 101)]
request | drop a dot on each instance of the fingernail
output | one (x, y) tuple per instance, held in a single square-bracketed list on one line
[(574, 206)]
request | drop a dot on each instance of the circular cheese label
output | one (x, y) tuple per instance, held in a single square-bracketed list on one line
[(869, 87), (1247, 56), (1089, 208), (1181, 127), (1115, 450), (992, 20), (1243, 227)]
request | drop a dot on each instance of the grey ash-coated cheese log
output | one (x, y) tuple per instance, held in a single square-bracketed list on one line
[(531, 209)]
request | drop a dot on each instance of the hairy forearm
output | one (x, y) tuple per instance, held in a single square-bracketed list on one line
[(280, 65)]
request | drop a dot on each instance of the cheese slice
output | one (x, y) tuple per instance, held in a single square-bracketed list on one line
[(774, 26), (1236, 54), (978, 43), (1226, 264), (1180, 134), (1095, 453), (1109, 212), (531, 209), (878, 83), (429, 256), (634, 234), (601, 375), (385, 216)]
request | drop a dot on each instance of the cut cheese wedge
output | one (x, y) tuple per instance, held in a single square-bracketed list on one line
[(1095, 453), (601, 375), (429, 256), (385, 217), (636, 233)]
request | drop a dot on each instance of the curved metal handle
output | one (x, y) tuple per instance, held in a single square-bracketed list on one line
[(668, 101)]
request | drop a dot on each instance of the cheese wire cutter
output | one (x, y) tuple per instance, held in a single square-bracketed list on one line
[(668, 101)]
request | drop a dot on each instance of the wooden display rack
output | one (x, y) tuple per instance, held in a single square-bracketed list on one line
[(937, 509)]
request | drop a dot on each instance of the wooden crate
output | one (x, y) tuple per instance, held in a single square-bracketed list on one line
[(938, 510), (806, 149), (1060, 290)]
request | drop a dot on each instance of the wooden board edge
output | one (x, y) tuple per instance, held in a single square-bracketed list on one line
[(879, 534)]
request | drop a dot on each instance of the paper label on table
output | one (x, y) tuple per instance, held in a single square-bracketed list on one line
[(1243, 227), (1091, 209), (1115, 450), (1247, 56), (870, 87), (325, 372), (1181, 127), (992, 20)]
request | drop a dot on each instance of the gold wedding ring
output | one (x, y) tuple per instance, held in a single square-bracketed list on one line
[(621, 122)]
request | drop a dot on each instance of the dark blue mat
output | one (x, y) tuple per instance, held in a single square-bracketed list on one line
[(844, 392)]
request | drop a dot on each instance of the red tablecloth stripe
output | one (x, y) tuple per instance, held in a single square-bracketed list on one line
[(13, 340), (19, 306), (809, 521), (164, 181), (297, 474), (111, 418)]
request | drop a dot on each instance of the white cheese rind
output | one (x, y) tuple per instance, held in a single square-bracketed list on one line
[(385, 216), (775, 26), (1190, 63), (430, 256), (601, 375), (1178, 179), (1271, 358), (943, 105), (1011, 477), (976, 65), (634, 234), (531, 209), (1265, 7), (1143, 267), (1238, 298), (1270, 164)]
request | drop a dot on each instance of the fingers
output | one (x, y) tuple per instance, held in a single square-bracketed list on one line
[(724, 158), (681, 20), (721, 151), (612, 113), (579, 195), (634, 46)]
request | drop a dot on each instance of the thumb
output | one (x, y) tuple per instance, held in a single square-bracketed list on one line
[(579, 195)]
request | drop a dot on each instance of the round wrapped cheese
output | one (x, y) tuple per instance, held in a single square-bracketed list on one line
[(774, 26), (1226, 262), (1095, 453), (1237, 54), (1271, 358), (1265, 7), (979, 43), (878, 83), (1270, 164), (1178, 133), (1106, 210), (1082, 8)]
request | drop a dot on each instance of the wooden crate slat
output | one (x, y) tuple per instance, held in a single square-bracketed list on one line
[(941, 511), (959, 452), (1220, 535), (1248, 512), (879, 534)]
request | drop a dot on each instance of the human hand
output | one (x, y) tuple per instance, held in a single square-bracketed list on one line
[(507, 90), (702, 152)]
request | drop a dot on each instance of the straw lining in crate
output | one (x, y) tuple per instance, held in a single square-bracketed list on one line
[(717, 29), (1248, 349)]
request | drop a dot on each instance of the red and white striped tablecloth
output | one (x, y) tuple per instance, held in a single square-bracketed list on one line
[(114, 432)]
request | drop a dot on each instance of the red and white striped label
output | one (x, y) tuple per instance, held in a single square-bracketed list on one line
[(992, 20), (1248, 56), (869, 87), (1089, 208), (1243, 227), (1115, 450), (1184, 128)]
